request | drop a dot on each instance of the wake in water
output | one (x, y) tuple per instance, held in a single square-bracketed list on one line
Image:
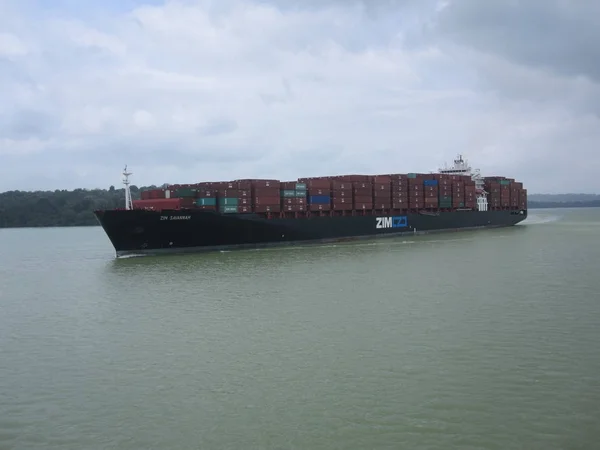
[(539, 219)]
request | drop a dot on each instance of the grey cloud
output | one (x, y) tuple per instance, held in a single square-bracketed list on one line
[(555, 35), (25, 124), (218, 126)]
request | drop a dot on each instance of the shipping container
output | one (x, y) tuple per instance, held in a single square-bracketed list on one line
[(317, 183), (430, 182), (363, 192), (378, 187), (294, 208), (301, 193), (341, 185), (363, 205), (318, 191), (342, 200), (342, 206), (267, 200), (319, 199), (206, 193), (266, 192), (342, 193), (267, 208), (157, 204), (288, 193), (208, 201), (320, 206), (228, 201)]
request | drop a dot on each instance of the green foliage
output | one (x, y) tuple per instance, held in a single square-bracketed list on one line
[(59, 208)]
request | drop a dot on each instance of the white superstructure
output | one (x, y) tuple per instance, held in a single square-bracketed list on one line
[(462, 167), (128, 200)]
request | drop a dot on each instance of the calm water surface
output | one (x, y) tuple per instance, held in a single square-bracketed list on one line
[(472, 340)]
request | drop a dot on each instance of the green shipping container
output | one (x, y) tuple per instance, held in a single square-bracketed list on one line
[(206, 201), (228, 209), (301, 186), (185, 193), (412, 175), (288, 193), (228, 201), (445, 198), (301, 193), (504, 182)]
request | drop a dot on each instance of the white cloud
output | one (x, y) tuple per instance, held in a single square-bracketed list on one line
[(194, 90)]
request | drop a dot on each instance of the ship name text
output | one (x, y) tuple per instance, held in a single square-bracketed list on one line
[(175, 217), (391, 222)]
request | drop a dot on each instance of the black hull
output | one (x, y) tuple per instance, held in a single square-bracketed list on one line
[(149, 232)]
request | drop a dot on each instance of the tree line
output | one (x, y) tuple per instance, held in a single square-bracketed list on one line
[(62, 208)]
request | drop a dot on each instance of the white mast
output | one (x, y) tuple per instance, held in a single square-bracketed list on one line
[(128, 201)]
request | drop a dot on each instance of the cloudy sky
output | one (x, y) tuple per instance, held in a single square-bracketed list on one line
[(192, 90)]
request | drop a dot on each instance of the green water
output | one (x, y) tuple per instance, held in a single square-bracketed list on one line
[(472, 340)]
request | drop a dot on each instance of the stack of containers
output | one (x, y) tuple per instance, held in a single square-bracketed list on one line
[(446, 194), (523, 199), (399, 186), (505, 193), (493, 189), (266, 196), (319, 194), (363, 195), (206, 198), (416, 197), (515, 190), (431, 189), (293, 196), (244, 195), (227, 197), (382, 192), (341, 195), (458, 194)]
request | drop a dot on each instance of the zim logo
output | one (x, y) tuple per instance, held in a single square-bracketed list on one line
[(391, 222)]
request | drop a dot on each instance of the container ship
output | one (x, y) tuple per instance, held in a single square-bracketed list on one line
[(255, 213)]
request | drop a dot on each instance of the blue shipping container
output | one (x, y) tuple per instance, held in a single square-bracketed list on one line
[(430, 182), (320, 199)]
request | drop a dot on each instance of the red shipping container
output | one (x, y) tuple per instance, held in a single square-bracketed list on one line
[(362, 185), (381, 187), (431, 202), (399, 195), (431, 195), (293, 201), (318, 183), (319, 191), (244, 184), (294, 208), (288, 186), (341, 185), (244, 201), (267, 200), (206, 193), (261, 184), (382, 205), (400, 203), (317, 207), (342, 193), (363, 192), (229, 193), (207, 207), (157, 204), (363, 205), (384, 179), (363, 199), (244, 208), (267, 208), (337, 206), (266, 192), (342, 200), (382, 194)]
